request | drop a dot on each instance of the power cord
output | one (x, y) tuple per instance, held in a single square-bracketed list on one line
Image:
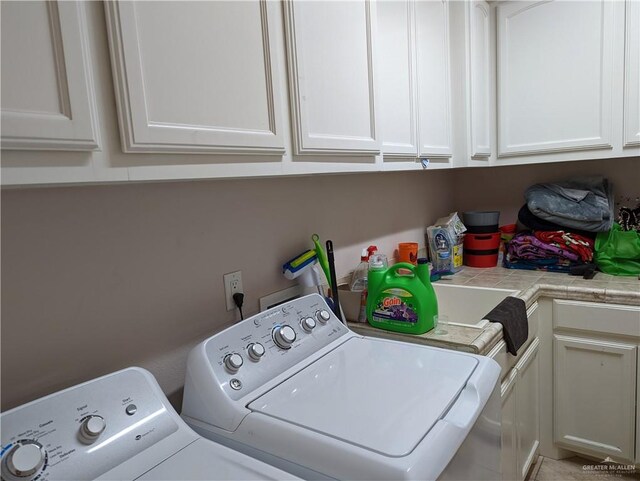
[(238, 298)]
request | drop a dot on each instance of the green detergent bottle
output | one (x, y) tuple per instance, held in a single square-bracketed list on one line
[(401, 302)]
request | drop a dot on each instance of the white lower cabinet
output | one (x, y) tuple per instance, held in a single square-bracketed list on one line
[(520, 415), (528, 409), (509, 434), (595, 396)]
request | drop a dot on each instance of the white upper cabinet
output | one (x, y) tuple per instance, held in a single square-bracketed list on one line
[(47, 90), (479, 78), (632, 75), (556, 76), (433, 72), (196, 77), (396, 78), (331, 75)]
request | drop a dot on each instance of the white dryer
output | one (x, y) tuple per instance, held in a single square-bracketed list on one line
[(294, 387), (119, 426)]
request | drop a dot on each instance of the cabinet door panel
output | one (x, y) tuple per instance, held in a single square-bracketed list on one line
[(196, 76), (330, 48), (396, 54), (555, 76), (594, 396), (479, 78), (637, 460), (509, 428), (47, 93), (528, 408), (632, 75), (434, 88)]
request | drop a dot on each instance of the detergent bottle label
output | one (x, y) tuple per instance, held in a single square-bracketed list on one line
[(395, 305)]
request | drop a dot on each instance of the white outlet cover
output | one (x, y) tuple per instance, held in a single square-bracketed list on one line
[(232, 284)]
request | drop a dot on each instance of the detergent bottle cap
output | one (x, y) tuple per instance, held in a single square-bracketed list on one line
[(378, 261), (371, 250)]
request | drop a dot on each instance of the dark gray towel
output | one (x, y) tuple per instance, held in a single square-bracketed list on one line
[(512, 314)]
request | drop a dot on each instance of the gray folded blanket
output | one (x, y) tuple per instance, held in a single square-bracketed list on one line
[(584, 203)]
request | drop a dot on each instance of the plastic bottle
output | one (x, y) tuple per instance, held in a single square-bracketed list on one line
[(401, 303), (359, 278), (359, 281)]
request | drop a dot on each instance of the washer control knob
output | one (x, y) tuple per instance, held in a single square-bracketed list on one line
[(233, 362), (25, 459), (323, 316), (91, 428), (255, 350), (284, 336), (308, 324)]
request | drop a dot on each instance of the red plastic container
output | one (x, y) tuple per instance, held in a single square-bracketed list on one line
[(481, 250)]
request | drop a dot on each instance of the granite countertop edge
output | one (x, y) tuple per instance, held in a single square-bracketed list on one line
[(491, 334)]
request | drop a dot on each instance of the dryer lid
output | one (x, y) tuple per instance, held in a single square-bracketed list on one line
[(381, 395)]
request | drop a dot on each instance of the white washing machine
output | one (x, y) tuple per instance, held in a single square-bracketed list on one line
[(294, 387), (119, 426)]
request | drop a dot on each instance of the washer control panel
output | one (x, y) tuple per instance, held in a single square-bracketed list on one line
[(254, 351), (83, 431)]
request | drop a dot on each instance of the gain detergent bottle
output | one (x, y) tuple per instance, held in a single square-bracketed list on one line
[(401, 302)]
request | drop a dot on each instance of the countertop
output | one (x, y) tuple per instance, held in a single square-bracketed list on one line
[(531, 285)]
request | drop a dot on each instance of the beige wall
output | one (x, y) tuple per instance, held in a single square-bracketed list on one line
[(99, 278), (502, 188)]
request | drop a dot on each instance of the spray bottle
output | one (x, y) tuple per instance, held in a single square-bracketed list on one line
[(359, 280)]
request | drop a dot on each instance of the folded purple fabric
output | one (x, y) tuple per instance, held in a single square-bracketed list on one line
[(528, 246)]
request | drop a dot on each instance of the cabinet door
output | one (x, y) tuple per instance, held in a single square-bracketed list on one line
[(637, 460), (396, 77), (509, 428), (594, 396), (556, 76), (528, 408), (196, 76), (330, 51), (47, 91), (433, 68), (479, 78), (632, 75)]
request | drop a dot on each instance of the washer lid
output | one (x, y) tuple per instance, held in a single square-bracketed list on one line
[(205, 460), (383, 396)]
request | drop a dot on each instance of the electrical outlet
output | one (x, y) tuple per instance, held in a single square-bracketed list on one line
[(232, 284)]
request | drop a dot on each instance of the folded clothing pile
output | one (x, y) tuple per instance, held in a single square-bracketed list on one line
[(548, 250), (564, 219)]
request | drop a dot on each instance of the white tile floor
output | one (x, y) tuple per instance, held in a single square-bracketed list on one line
[(580, 469)]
